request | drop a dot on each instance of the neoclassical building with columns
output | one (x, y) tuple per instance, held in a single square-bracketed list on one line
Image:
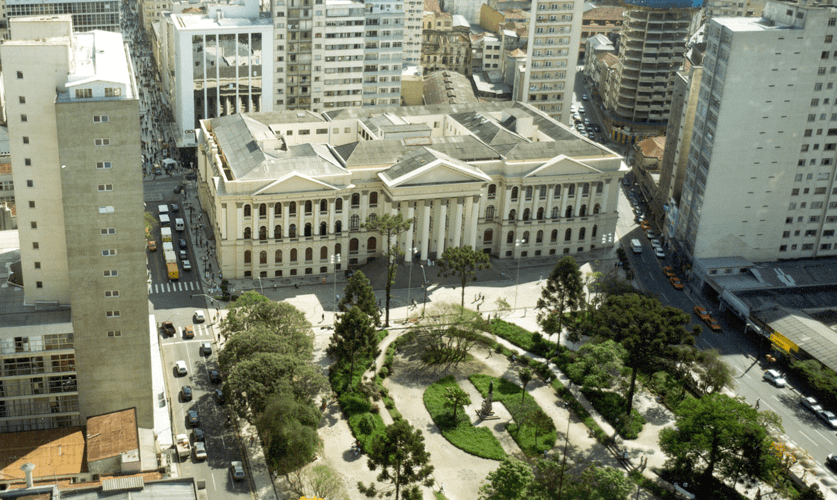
[(286, 191)]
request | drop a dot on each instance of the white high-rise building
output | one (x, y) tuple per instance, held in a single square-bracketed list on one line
[(760, 179), (554, 31)]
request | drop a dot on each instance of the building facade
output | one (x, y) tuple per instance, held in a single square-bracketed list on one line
[(554, 36), (489, 175), (88, 15), (733, 8), (637, 98), (760, 178), (446, 44), (75, 147)]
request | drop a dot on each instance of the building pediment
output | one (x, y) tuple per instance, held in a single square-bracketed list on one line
[(426, 167), (295, 182), (562, 165)]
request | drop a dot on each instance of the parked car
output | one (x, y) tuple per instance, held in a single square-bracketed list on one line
[(188, 332), (174, 207), (676, 283), (831, 461), (584, 97), (655, 242), (198, 435), (187, 266), (199, 317), (700, 312), (192, 418), (219, 396), (669, 272), (180, 368), (182, 244), (237, 471), (659, 253), (811, 405), (200, 451), (168, 328), (775, 378), (177, 189), (183, 255), (651, 234), (828, 418), (186, 393), (215, 376), (645, 225)]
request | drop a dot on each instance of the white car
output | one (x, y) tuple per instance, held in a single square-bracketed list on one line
[(180, 367), (659, 253), (187, 266), (811, 405), (775, 378), (199, 317), (828, 418), (655, 243), (200, 451)]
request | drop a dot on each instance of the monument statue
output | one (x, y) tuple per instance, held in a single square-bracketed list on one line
[(485, 411)]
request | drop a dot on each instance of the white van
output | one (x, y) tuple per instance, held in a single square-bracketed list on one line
[(636, 246), (178, 224), (163, 209), (164, 220)]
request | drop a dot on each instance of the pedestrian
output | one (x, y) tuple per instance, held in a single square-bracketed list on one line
[(323, 319), (758, 402)]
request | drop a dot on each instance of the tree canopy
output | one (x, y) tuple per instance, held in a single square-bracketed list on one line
[(400, 455), (358, 292), (564, 291), (354, 336), (509, 481), (448, 332), (390, 226), (288, 429), (463, 263), (597, 364)]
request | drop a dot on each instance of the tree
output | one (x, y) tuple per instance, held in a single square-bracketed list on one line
[(648, 331), (462, 262), (525, 377), (510, 481), (354, 336), (456, 397), (564, 290), (503, 307), (358, 292), (719, 432), (448, 332), (390, 226), (812, 493), (288, 429), (555, 479), (597, 364), (399, 453), (317, 482), (713, 372)]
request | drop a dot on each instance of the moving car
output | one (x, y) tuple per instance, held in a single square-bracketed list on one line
[(188, 332), (186, 393), (200, 451), (828, 418), (584, 97), (669, 271), (199, 317), (182, 244), (701, 312), (180, 368), (183, 255), (811, 405), (192, 418), (645, 225), (831, 461), (237, 471), (650, 234), (659, 253), (775, 378), (152, 245), (187, 266), (712, 323), (676, 283), (206, 348)]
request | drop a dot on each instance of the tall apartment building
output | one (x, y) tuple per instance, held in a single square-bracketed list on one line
[(733, 8), (554, 31), (75, 147), (88, 15), (637, 96), (411, 53), (760, 179)]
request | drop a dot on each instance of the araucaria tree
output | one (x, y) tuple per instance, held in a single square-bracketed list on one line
[(564, 291), (400, 455), (462, 262), (354, 336), (358, 292), (390, 226)]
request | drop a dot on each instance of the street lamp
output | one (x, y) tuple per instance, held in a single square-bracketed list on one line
[(412, 252), (335, 261), (517, 244), (424, 304), (260, 284)]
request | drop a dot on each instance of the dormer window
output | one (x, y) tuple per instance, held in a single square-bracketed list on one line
[(113, 92), (84, 93)]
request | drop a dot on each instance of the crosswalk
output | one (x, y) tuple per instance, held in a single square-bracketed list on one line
[(176, 286)]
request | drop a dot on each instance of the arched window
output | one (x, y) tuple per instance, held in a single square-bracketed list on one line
[(526, 214), (585, 189), (514, 193), (292, 231), (568, 234), (512, 214), (526, 237), (542, 193), (571, 190), (338, 226), (556, 193), (247, 256), (292, 208), (582, 233), (277, 256), (371, 244), (353, 245), (492, 191), (489, 212), (539, 237), (323, 206), (373, 199), (308, 207), (528, 192), (293, 254), (599, 187), (309, 254), (583, 211), (277, 209), (248, 233), (354, 222), (323, 228), (555, 212), (554, 236), (595, 230), (262, 257), (355, 200), (569, 212), (324, 253), (510, 237), (263, 210), (487, 236), (540, 213), (262, 233), (277, 232), (247, 211), (307, 229), (338, 204), (596, 208), (337, 248)]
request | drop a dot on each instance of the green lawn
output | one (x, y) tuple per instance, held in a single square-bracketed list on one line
[(611, 406), (477, 441), (531, 440)]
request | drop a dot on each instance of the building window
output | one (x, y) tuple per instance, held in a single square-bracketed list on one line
[(371, 244), (108, 230), (30, 183), (24, 118), (354, 222), (111, 273), (101, 118), (115, 333), (355, 200), (84, 93), (111, 293), (294, 255), (105, 187), (373, 199), (112, 314), (492, 191), (35, 245), (110, 252), (113, 92), (247, 211), (20, 75), (25, 139), (102, 142), (248, 256), (39, 284), (103, 165)]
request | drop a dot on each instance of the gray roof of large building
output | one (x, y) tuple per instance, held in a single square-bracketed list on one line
[(448, 87), (420, 157), (389, 151)]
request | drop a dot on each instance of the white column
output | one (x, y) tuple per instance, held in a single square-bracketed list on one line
[(457, 223), (331, 216), (507, 206), (550, 190), (270, 222), (344, 219), (565, 197), (239, 215), (300, 230), (440, 229), (469, 228), (474, 221), (604, 197), (424, 235), (284, 222), (316, 209), (521, 202), (409, 232), (364, 206)]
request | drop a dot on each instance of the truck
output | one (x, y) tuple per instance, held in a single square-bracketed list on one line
[(168, 328), (168, 246), (171, 263), (179, 224), (184, 448), (166, 232)]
